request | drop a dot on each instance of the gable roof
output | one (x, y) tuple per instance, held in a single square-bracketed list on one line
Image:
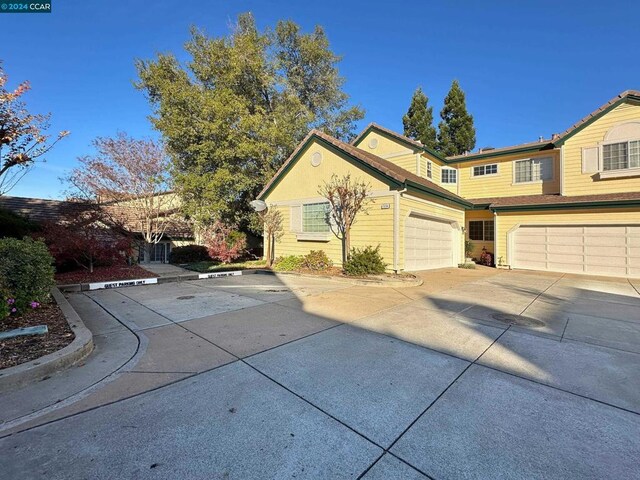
[(632, 96), (394, 174), (409, 142)]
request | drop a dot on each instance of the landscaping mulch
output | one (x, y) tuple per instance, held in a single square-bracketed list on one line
[(103, 274), (17, 350)]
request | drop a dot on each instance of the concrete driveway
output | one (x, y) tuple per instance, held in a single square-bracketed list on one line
[(475, 374)]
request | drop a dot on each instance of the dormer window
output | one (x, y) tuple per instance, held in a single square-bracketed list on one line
[(449, 175)]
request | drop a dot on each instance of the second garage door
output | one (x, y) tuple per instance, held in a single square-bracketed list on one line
[(428, 243), (588, 249)]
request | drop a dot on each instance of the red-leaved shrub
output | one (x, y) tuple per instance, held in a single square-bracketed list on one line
[(224, 243)]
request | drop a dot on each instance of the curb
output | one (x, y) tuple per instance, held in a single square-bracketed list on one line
[(77, 350), (83, 287), (355, 281)]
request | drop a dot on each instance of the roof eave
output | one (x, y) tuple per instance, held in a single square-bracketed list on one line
[(289, 164), (568, 205), (440, 195), (413, 146), (629, 98)]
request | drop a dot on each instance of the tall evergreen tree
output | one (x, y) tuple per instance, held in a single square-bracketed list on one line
[(456, 131), (418, 121)]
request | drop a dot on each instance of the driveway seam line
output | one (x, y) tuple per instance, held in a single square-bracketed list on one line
[(557, 388), (633, 286), (58, 405), (447, 388), (541, 293)]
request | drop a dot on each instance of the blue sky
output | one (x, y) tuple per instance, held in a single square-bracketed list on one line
[(529, 68)]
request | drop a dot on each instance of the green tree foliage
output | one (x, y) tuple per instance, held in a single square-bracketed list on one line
[(418, 121), (236, 111), (456, 131)]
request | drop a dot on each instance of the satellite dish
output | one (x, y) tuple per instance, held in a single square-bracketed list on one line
[(258, 205)]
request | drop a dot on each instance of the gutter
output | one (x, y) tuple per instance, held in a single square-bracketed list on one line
[(573, 205)]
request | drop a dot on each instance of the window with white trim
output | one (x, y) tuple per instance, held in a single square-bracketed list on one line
[(481, 230), (621, 155), (314, 217), (533, 170), (429, 169), (481, 170), (448, 175)]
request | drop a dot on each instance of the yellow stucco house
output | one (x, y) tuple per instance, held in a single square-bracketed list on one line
[(567, 204)]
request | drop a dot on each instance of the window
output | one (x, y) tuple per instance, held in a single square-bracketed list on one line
[(533, 170), (481, 230), (449, 175), (485, 170), (314, 218), (620, 156), (429, 169)]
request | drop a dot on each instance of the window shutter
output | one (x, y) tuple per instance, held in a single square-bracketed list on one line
[(296, 219), (590, 160)]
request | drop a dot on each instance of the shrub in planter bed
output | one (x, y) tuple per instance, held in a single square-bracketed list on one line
[(364, 261), (316, 260), (26, 274), (289, 263), (190, 254)]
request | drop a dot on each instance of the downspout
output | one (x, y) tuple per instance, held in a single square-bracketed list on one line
[(562, 170), (396, 228)]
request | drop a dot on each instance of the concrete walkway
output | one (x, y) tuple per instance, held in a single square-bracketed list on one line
[(259, 376), (165, 269)]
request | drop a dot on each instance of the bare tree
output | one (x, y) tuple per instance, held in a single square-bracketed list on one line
[(22, 140), (346, 199), (272, 221), (130, 178)]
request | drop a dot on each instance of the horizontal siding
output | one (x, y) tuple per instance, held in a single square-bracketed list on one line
[(507, 221), (373, 228), (577, 183), (386, 145), (501, 184), (432, 209), (303, 180)]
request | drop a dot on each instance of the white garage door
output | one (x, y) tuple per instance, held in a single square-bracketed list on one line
[(587, 249), (428, 243)]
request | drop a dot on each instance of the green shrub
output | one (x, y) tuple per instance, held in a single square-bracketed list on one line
[(16, 226), (468, 266), (189, 254), (364, 261), (26, 273), (316, 260), (289, 263)]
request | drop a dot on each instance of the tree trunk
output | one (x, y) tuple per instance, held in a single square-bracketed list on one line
[(268, 250), (347, 244)]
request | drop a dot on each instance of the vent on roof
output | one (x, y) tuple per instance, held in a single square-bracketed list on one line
[(555, 136), (485, 149), (541, 139)]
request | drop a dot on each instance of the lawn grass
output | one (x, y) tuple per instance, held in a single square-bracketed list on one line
[(206, 267)]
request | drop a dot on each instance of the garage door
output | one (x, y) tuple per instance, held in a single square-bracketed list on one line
[(428, 243), (587, 249)]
